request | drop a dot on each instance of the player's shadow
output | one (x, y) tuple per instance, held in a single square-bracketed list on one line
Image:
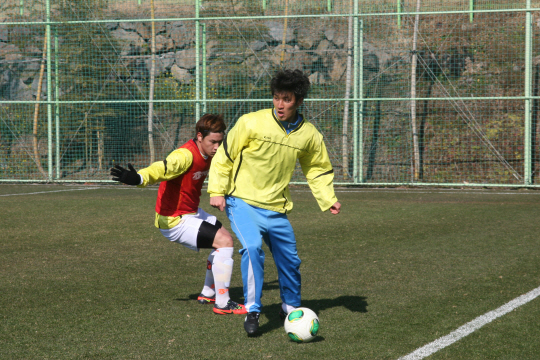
[(356, 304), (352, 303)]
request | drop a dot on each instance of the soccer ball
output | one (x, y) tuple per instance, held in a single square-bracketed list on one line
[(302, 325)]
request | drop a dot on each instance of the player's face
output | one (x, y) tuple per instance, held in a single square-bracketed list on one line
[(210, 143), (286, 105)]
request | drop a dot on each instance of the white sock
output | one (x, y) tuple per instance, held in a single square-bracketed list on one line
[(287, 308), (222, 269), (208, 289)]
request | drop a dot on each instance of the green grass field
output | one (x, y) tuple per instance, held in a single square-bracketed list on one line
[(85, 275)]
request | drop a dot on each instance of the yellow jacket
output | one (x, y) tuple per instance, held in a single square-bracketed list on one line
[(257, 159)]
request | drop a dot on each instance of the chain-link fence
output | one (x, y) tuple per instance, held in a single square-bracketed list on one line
[(404, 92)]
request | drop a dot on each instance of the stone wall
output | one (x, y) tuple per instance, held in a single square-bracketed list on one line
[(321, 52)]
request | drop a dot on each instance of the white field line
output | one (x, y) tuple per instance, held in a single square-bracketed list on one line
[(86, 188), (53, 191), (471, 326), (412, 191), (337, 190)]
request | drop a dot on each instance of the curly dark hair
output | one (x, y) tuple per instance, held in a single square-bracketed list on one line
[(210, 123), (290, 80)]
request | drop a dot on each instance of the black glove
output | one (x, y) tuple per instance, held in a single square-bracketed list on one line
[(125, 176)]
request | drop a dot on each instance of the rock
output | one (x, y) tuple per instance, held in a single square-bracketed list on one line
[(325, 49), (212, 49), (12, 88), (329, 34), (339, 66), (35, 83), (13, 57), (301, 60), (170, 25), (258, 45), (159, 66), (144, 30), (167, 60), (183, 76), (186, 59), (341, 40), (181, 36), (257, 67), (32, 50), (30, 70), (159, 27), (278, 55), (111, 26), (163, 64), (221, 74), (131, 43), (276, 30), (317, 78), (9, 49), (3, 33), (371, 62), (19, 33), (138, 70), (129, 26), (308, 38), (383, 56), (164, 44)]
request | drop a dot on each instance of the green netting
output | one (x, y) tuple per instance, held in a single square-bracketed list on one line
[(456, 102)]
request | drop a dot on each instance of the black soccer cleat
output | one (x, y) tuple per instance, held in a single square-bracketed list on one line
[(251, 324), (206, 299), (232, 307)]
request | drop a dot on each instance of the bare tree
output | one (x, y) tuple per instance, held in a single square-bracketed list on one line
[(36, 109)]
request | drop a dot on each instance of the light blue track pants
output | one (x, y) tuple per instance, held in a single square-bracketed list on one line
[(252, 225)]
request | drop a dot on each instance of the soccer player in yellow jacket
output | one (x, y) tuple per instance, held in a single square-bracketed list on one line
[(249, 178), (178, 215)]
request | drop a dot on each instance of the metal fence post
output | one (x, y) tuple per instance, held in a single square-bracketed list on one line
[(204, 67), (197, 60), (57, 105), (528, 80), (49, 92), (471, 8), (357, 92), (399, 14)]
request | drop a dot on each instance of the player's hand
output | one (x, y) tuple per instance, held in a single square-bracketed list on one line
[(218, 202), (336, 208), (129, 177)]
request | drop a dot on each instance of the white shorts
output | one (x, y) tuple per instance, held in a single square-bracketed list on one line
[(185, 233)]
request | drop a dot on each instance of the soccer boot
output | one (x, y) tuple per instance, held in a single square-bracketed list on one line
[(231, 308), (206, 299), (251, 324), (282, 314)]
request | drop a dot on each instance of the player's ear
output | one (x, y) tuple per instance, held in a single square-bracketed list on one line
[(299, 102), (199, 136)]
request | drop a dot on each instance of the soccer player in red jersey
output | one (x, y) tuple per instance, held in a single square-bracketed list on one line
[(178, 215)]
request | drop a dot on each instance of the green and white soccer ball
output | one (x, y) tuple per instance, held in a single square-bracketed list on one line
[(302, 325)]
